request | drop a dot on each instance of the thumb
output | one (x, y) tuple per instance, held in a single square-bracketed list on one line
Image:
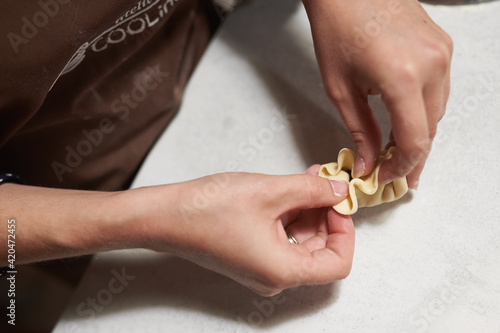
[(310, 191)]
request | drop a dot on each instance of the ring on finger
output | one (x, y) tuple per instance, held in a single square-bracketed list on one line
[(291, 239)]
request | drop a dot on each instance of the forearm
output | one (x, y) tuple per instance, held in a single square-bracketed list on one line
[(230, 223), (55, 223)]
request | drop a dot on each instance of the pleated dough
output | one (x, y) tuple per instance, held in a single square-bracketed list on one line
[(364, 191)]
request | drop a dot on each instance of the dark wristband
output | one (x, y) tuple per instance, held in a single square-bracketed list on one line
[(10, 178)]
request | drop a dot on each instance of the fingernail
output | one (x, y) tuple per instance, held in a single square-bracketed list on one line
[(340, 188), (415, 184), (359, 167)]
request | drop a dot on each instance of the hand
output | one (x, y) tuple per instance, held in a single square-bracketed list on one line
[(392, 48), (234, 223)]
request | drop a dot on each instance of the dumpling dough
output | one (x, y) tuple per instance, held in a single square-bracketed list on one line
[(364, 191)]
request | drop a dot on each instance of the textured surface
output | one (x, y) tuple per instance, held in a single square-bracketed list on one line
[(427, 263), (365, 191)]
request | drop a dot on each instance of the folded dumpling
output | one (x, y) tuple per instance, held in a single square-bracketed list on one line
[(364, 191)]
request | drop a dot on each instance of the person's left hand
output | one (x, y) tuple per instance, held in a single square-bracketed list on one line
[(237, 223)]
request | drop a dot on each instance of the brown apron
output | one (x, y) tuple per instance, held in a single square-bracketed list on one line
[(87, 87)]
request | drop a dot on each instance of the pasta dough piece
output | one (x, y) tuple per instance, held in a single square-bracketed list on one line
[(364, 191)]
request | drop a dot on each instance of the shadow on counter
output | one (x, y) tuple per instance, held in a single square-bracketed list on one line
[(171, 285)]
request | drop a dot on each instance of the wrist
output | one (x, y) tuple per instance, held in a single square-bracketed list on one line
[(96, 222), (99, 221), (151, 218)]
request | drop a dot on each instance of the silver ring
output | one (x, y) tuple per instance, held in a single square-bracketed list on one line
[(291, 239)]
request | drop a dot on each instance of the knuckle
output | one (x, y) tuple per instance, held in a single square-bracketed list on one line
[(409, 76), (367, 144), (313, 185), (338, 95), (440, 56), (406, 78), (359, 137)]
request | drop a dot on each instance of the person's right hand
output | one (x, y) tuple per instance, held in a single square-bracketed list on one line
[(392, 48), (234, 224)]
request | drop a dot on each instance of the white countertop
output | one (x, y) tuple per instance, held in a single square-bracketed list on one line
[(428, 263)]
